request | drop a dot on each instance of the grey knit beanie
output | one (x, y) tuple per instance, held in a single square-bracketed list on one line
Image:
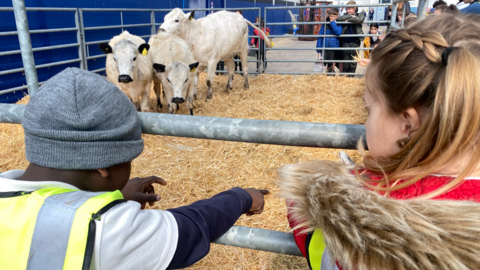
[(78, 120)]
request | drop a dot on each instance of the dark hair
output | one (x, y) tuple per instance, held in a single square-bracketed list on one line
[(452, 9), (377, 41), (333, 11), (261, 24), (374, 25), (239, 11), (439, 3)]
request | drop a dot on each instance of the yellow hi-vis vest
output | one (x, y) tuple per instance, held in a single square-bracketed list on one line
[(317, 255), (51, 228)]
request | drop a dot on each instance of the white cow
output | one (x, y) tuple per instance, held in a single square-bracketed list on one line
[(220, 35), (174, 68), (129, 67)]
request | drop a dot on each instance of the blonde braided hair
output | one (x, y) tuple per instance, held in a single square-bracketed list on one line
[(407, 71)]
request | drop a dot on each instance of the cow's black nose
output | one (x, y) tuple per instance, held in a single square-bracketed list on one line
[(178, 100), (125, 79)]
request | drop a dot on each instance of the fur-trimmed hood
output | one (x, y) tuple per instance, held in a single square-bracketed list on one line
[(366, 231)]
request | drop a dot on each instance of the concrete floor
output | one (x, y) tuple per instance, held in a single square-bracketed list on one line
[(292, 41)]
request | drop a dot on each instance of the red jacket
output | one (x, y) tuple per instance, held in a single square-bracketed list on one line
[(254, 41), (468, 190)]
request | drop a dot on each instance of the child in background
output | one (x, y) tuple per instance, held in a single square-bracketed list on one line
[(330, 42), (66, 210), (351, 29), (415, 203), (369, 42)]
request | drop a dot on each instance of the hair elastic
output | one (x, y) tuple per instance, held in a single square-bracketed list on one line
[(445, 55)]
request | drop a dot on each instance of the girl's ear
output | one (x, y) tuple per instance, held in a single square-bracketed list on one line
[(410, 121), (103, 172)]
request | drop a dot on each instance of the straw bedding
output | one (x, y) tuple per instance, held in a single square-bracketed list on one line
[(198, 169)]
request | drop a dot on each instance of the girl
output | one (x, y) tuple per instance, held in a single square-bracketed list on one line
[(414, 205), (255, 42), (369, 42)]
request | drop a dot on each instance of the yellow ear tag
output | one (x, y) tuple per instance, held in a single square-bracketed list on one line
[(145, 52), (191, 18), (193, 69)]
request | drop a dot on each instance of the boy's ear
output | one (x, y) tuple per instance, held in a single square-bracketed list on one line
[(193, 67), (103, 172), (159, 68), (105, 48)]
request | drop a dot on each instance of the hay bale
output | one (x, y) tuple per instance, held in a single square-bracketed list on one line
[(197, 169)]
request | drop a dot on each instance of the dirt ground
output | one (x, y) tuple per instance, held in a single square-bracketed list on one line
[(198, 169)]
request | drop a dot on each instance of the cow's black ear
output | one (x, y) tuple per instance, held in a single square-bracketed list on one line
[(159, 68), (105, 48), (193, 67), (192, 14), (143, 49)]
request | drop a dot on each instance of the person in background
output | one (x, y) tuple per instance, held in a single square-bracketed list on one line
[(355, 28), (461, 5), (255, 41), (399, 18), (74, 206), (364, 13), (330, 42), (369, 42), (473, 7), (370, 14), (451, 9), (413, 200), (436, 4)]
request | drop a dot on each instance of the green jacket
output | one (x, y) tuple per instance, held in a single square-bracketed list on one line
[(358, 20)]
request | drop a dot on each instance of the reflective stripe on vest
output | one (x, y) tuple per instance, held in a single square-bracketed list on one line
[(315, 246), (51, 228)]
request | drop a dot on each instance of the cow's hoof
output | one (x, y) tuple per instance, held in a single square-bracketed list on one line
[(191, 111), (246, 86), (209, 96)]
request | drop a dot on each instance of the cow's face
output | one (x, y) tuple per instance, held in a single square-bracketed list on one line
[(174, 22), (177, 76), (125, 55)]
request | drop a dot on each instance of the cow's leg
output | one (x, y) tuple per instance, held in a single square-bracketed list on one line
[(189, 100), (168, 94), (231, 71), (145, 96), (134, 94), (157, 86), (244, 59), (210, 76), (200, 69)]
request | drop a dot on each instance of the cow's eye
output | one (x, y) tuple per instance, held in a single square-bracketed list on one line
[(186, 80), (134, 58), (176, 20), (169, 80), (115, 59)]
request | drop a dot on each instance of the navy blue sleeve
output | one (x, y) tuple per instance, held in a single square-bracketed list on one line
[(204, 221)]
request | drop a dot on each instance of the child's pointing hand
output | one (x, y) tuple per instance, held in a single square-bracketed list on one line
[(141, 190)]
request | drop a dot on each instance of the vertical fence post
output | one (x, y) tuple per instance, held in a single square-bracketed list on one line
[(25, 45), (403, 15), (152, 19), (82, 38), (81, 55), (393, 18), (121, 19), (422, 9), (264, 45)]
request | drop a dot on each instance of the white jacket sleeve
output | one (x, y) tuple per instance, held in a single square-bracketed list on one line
[(129, 238)]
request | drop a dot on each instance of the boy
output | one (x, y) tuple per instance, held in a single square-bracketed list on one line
[(330, 42), (66, 210), (351, 29)]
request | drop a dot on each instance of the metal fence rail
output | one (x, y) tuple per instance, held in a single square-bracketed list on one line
[(241, 130)]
